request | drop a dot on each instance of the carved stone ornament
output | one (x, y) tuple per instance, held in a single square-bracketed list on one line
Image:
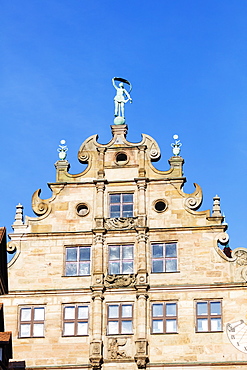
[(194, 200), (115, 281), (121, 223), (141, 237), (223, 238), (141, 354), (43, 206), (95, 357), (114, 348), (99, 239), (241, 256)]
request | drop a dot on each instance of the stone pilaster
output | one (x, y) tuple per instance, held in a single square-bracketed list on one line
[(141, 356), (141, 161), (99, 216), (141, 202), (97, 266), (142, 260), (96, 345), (101, 159)]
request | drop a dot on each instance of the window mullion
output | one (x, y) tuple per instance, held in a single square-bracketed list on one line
[(32, 322), (164, 317), (120, 320), (76, 321)]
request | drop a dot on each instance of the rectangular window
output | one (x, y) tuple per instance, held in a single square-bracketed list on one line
[(77, 261), (121, 259), (120, 317), (164, 257), (75, 320), (164, 318), (208, 316), (32, 322), (121, 205)]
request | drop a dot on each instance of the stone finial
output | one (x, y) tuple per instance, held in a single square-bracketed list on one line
[(176, 146), (216, 207), (19, 215), (62, 150)]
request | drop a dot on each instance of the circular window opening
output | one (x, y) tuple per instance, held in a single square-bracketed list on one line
[(82, 209), (121, 157), (160, 206)]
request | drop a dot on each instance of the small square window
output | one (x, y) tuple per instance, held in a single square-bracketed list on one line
[(120, 318), (164, 318), (75, 320), (121, 259), (164, 257), (208, 316), (32, 322), (77, 261), (121, 205)]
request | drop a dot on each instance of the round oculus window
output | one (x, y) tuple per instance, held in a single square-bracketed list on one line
[(160, 205), (121, 158), (82, 209)]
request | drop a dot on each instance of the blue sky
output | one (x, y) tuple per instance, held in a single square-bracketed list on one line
[(186, 60)]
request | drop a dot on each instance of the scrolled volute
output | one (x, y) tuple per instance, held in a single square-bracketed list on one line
[(40, 206), (194, 200)]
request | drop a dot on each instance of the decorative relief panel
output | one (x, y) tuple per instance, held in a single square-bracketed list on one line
[(116, 281), (117, 348), (121, 223)]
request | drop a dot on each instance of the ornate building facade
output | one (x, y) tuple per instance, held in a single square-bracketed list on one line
[(121, 270)]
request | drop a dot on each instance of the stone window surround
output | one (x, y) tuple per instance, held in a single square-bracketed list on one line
[(165, 317), (120, 319), (76, 320), (209, 316), (32, 322)]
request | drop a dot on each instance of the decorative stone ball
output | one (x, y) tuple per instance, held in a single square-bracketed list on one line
[(119, 120)]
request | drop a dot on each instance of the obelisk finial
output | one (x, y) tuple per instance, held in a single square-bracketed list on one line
[(121, 98)]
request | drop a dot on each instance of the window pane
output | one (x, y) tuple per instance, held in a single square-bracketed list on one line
[(127, 198), (157, 250), (157, 326), (171, 265), (158, 266), (82, 312), (128, 267), (115, 198), (84, 268), (127, 210), (114, 211), (39, 314), (25, 330), (126, 327), (71, 269), (157, 309), (82, 328), (85, 254), (113, 327), (38, 330), (69, 313), (171, 309), (114, 252), (216, 324), (202, 308), (71, 254), (171, 250), (215, 308), (127, 311), (113, 311), (202, 325), (127, 252), (171, 326), (114, 268), (68, 328), (25, 314)]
